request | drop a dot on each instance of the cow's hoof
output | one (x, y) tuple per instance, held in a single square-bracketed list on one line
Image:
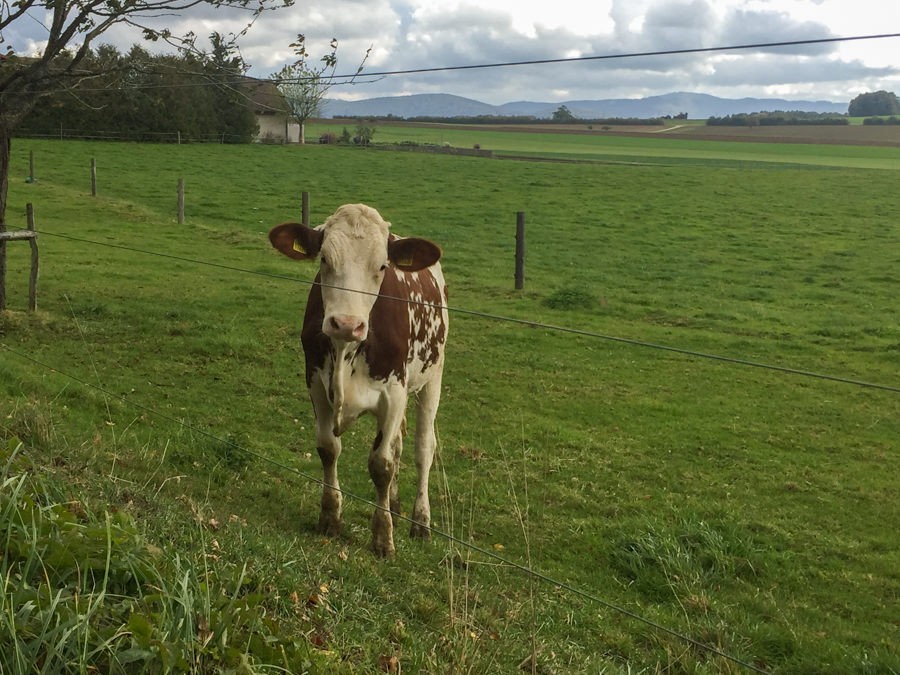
[(383, 549), (419, 531), (329, 525)]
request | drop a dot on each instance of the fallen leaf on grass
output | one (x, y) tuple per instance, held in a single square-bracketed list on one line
[(388, 664)]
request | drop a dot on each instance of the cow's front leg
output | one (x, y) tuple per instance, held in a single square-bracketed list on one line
[(329, 448), (426, 409), (382, 469)]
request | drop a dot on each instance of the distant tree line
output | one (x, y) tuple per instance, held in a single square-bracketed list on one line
[(877, 121), (778, 118), (140, 96)]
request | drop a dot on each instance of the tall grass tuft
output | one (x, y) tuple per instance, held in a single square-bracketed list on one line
[(83, 592), (686, 559)]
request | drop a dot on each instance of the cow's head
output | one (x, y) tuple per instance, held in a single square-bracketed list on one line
[(355, 249)]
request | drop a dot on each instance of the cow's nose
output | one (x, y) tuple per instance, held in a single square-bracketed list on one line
[(345, 327)]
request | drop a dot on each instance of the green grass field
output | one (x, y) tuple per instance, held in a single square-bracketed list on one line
[(751, 510)]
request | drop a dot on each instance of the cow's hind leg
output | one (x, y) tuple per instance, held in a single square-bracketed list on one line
[(426, 409), (329, 448)]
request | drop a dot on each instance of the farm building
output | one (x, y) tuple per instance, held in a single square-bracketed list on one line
[(271, 110)]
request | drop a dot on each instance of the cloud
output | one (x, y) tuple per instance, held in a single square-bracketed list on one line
[(410, 34), (769, 70), (755, 27), (675, 25)]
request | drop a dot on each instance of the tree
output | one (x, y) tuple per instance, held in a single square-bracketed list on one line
[(147, 96), (305, 85), (226, 69), (72, 28), (874, 103), (563, 114), (364, 134)]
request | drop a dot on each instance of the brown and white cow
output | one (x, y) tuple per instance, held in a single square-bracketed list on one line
[(373, 333)]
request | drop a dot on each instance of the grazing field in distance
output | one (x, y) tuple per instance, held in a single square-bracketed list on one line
[(854, 146), (710, 443)]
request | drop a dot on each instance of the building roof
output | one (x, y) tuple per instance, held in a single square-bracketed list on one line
[(266, 98)]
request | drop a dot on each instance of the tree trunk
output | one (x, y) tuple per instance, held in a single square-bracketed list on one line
[(302, 133), (4, 185)]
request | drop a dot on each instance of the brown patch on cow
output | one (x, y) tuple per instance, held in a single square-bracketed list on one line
[(388, 345), (427, 320), (317, 346)]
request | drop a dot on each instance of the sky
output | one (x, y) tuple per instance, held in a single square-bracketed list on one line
[(408, 34)]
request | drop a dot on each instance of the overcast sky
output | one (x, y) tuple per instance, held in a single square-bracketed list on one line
[(407, 34)]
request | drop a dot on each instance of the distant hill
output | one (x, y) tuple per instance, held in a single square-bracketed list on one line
[(697, 106)]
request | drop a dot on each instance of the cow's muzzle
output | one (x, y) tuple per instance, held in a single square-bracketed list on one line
[(345, 327)]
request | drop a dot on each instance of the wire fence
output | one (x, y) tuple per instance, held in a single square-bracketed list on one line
[(527, 570), (487, 553), (176, 137), (519, 321)]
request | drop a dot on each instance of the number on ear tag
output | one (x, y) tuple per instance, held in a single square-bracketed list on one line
[(299, 247), (405, 262)]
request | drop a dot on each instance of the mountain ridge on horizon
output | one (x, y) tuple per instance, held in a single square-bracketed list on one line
[(697, 106)]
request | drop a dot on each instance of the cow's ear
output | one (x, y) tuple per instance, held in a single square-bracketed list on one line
[(413, 254), (296, 241)]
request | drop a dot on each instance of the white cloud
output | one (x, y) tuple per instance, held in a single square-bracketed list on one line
[(410, 34)]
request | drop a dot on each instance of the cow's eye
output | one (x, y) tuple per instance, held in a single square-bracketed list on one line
[(383, 267), (324, 261)]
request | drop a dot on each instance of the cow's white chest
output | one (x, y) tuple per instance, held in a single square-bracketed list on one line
[(352, 391)]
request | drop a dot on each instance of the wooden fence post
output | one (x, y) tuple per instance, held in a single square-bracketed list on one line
[(520, 250), (19, 235), (93, 177), (2, 267), (33, 278), (31, 178), (304, 214), (181, 201)]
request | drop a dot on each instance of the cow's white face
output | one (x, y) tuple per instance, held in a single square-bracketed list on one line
[(355, 251), (352, 262)]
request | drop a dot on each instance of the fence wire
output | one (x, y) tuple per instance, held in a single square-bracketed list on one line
[(524, 569), (513, 320), (487, 553)]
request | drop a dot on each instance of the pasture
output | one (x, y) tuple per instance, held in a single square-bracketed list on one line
[(865, 147), (748, 509)]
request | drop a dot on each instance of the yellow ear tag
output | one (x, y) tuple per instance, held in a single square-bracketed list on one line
[(298, 247), (404, 262)]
